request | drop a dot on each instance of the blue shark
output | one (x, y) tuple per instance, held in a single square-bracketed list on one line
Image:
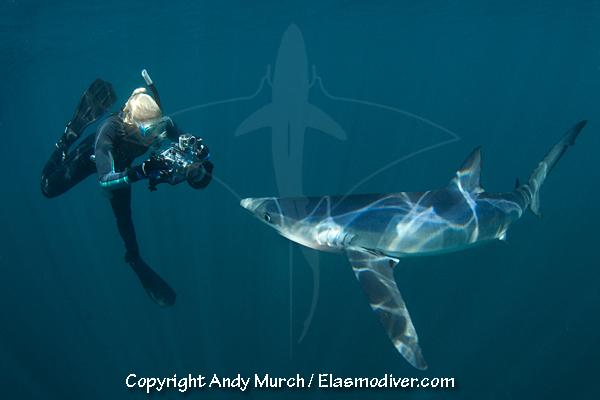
[(376, 230)]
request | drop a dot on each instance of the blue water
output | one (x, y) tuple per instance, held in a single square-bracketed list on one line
[(508, 320)]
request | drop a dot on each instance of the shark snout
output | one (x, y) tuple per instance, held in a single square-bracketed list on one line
[(251, 204), (247, 204)]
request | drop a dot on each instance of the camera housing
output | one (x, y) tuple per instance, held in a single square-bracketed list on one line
[(187, 160)]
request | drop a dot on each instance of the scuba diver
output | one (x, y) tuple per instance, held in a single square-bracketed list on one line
[(110, 152)]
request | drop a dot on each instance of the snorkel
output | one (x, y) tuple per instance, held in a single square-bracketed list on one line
[(147, 130), (152, 88), (187, 159)]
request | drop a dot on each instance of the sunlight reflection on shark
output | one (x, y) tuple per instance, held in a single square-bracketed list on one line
[(375, 230)]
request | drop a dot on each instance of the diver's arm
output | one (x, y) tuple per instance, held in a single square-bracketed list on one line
[(173, 130), (109, 178)]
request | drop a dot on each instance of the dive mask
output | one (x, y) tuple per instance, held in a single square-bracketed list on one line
[(153, 127)]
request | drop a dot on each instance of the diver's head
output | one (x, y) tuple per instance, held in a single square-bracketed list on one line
[(142, 114)]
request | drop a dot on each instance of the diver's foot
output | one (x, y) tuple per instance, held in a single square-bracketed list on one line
[(63, 148), (69, 137)]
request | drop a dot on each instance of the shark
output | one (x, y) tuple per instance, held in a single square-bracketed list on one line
[(376, 230)]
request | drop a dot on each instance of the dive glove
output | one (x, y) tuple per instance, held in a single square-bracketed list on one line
[(147, 169)]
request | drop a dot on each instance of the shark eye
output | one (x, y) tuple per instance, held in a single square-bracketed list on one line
[(267, 217)]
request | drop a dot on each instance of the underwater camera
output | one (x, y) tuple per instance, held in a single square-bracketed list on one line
[(187, 161)]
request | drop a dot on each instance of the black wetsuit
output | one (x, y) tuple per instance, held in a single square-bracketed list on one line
[(114, 153), (109, 152)]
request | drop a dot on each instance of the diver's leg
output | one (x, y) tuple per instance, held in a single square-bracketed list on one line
[(155, 286), (62, 172), (121, 205)]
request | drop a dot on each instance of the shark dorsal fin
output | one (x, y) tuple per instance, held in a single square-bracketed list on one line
[(468, 176)]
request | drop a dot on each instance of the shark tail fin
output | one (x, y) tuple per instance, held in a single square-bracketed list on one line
[(536, 180)]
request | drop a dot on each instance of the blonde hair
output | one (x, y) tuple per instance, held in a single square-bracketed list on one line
[(140, 107)]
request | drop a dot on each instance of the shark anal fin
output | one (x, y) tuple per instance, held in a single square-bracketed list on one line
[(376, 278)]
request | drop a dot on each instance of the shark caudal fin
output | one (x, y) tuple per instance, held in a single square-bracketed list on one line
[(536, 180), (376, 278)]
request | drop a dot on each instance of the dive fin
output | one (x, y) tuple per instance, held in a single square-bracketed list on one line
[(95, 102), (536, 180), (376, 278), (158, 290)]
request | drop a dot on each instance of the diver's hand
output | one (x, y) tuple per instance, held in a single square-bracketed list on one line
[(147, 169), (153, 166), (203, 152)]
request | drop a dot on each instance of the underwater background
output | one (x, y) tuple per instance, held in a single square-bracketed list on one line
[(415, 86)]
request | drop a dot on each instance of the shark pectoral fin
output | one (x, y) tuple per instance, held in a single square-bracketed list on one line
[(261, 118), (317, 119), (375, 275)]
